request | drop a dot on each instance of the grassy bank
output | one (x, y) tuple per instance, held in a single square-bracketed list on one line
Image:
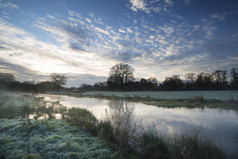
[(196, 102)]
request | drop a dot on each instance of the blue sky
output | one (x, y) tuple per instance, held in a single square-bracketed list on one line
[(85, 38)]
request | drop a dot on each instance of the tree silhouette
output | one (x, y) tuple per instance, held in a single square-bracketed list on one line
[(120, 75), (204, 81), (234, 77), (220, 78), (6, 79), (173, 83), (58, 80)]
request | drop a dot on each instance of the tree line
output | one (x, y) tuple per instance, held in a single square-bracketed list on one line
[(121, 78), (56, 83)]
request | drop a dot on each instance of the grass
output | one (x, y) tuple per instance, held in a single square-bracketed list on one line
[(58, 140), (193, 146)]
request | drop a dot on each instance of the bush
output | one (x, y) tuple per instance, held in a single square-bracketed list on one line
[(82, 118), (106, 131)]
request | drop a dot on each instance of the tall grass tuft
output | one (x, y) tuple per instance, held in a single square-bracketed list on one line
[(192, 146), (152, 146)]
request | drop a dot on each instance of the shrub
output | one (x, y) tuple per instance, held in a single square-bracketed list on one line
[(83, 118), (105, 131)]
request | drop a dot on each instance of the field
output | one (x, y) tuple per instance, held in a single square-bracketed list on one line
[(29, 129)]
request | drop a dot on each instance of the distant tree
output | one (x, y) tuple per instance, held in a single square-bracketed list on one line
[(190, 77), (220, 78), (58, 80), (172, 83), (86, 87), (234, 78), (100, 86), (45, 86), (190, 81), (204, 81), (5, 80), (120, 75), (148, 84), (6, 77)]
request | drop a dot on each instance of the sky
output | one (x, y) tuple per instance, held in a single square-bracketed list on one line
[(85, 38)]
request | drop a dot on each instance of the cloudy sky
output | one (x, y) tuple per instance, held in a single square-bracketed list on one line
[(85, 38)]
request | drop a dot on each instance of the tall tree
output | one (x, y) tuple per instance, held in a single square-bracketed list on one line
[(120, 75), (58, 80)]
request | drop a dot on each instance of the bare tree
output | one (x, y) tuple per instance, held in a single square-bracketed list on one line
[(120, 75), (58, 80), (190, 77)]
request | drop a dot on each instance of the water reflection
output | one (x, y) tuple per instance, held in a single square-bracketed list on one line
[(222, 125)]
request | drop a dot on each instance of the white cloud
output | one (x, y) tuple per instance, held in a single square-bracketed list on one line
[(153, 6), (102, 31), (71, 13), (169, 2), (8, 5), (121, 30), (88, 20), (129, 30), (50, 16), (139, 5)]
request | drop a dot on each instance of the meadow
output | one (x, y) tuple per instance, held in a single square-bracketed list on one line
[(30, 129)]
